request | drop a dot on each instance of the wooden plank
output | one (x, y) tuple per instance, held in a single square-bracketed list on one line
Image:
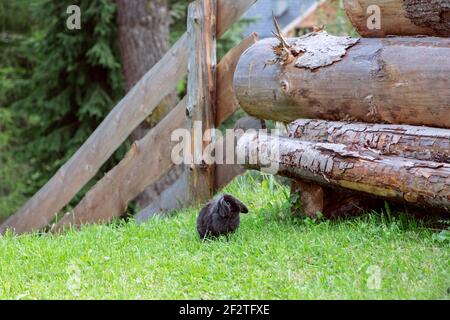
[(225, 173), (399, 80), (201, 95), (171, 195), (148, 162), (42, 208)]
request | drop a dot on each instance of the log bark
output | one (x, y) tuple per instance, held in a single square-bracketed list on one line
[(400, 17), (148, 162), (421, 143), (201, 96), (391, 80), (157, 83), (420, 183)]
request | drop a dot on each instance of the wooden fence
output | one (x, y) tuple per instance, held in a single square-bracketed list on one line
[(110, 196)]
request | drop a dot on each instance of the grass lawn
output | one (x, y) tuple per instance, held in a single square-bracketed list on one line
[(270, 257)]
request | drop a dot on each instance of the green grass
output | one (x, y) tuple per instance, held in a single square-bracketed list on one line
[(270, 257)]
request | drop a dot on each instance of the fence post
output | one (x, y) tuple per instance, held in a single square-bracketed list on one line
[(201, 95)]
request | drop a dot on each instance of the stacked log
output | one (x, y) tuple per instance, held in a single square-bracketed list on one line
[(399, 17), (356, 108), (421, 143), (411, 142), (392, 80), (416, 182)]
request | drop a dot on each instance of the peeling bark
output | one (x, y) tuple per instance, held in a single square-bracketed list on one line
[(421, 143), (420, 183), (312, 51), (391, 80)]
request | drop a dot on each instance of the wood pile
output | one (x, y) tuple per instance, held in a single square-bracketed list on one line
[(368, 119)]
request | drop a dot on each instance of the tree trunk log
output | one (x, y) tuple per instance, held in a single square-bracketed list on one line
[(421, 143), (420, 183), (156, 84), (400, 17), (391, 80), (146, 163)]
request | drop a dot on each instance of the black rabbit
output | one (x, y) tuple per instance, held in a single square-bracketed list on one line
[(220, 216)]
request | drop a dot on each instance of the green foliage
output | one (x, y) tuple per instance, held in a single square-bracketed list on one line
[(16, 62), (442, 237), (76, 79)]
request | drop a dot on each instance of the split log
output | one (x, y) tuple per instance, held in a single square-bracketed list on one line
[(162, 79), (421, 143), (201, 95), (148, 161), (420, 183), (391, 80), (399, 17)]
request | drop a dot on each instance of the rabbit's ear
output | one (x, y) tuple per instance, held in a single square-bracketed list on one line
[(223, 207), (235, 204)]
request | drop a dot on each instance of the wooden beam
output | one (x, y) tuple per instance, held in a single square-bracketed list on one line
[(148, 161), (42, 208), (391, 80), (201, 95)]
